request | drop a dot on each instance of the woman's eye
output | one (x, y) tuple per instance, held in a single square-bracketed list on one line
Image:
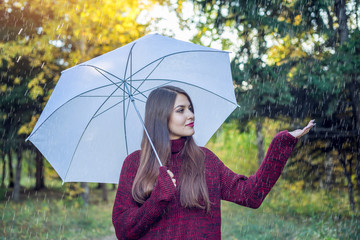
[(180, 110)]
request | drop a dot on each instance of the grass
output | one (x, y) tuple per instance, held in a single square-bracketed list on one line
[(48, 215), (266, 223)]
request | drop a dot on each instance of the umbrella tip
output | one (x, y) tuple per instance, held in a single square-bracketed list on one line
[(27, 139)]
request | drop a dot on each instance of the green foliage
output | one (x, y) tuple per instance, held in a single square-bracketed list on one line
[(261, 90), (238, 152), (237, 149), (327, 80), (293, 199), (296, 60)]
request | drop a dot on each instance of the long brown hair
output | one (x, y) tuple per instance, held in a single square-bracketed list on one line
[(192, 184)]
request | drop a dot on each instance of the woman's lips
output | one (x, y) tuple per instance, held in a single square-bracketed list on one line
[(190, 124)]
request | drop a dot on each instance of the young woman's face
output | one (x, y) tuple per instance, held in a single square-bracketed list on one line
[(181, 121)]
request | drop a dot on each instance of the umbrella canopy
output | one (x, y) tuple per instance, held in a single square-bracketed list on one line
[(93, 118)]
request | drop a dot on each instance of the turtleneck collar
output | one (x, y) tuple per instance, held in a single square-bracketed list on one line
[(177, 145)]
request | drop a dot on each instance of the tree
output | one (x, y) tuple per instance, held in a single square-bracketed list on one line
[(41, 38), (295, 62)]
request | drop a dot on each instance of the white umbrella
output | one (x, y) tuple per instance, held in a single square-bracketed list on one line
[(93, 118)]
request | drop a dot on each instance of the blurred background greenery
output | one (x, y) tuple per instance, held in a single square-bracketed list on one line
[(292, 61)]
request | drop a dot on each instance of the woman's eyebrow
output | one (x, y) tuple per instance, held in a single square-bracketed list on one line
[(181, 106)]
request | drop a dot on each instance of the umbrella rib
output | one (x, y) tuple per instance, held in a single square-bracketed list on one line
[(127, 110), (126, 145), (125, 84), (79, 95), (190, 84), (131, 68), (129, 93), (118, 86), (150, 74), (127, 62), (110, 108), (97, 68), (115, 96), (139, 100), (190, 51), (150, 89), (161, 59), (77, 145)]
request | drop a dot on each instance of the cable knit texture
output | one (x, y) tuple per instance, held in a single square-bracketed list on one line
[(163, 217)]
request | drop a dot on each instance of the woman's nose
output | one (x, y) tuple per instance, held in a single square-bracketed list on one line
[(190, 115)]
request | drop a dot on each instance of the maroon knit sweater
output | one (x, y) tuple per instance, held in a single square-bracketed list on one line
[(163, 217)]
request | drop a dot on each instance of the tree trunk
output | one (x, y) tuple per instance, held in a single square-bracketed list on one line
[(260, 142), (347, 173), (340, 11), (39, 172), (3, 156), (357, 169), (16, 191), (30, 168), (355, 101), (86, 193), (104, 192), (11, 171), (329, 166)]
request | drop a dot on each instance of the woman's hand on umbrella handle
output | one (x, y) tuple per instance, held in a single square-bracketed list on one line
[(172, 177), (301, 132)]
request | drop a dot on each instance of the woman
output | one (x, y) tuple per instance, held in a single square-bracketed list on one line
[(181, 199)]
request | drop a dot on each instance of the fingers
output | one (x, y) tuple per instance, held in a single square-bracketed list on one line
[(309, 126), (172, 177), (170, 173), (306, 129)]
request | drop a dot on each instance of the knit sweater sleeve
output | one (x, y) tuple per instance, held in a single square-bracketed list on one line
[(251, 191), (130, 220)]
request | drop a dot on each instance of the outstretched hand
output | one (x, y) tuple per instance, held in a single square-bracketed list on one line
[(301, 132)]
